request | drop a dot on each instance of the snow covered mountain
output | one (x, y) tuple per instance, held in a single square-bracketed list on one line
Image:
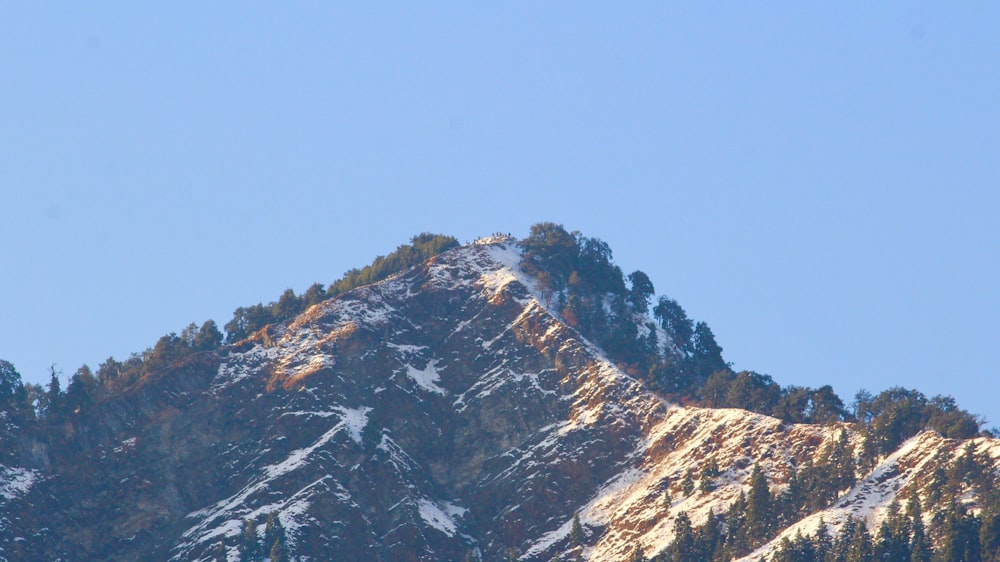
[(444, 413)]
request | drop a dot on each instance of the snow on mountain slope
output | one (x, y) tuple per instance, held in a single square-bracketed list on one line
[(908, 470), (631, 508), (444, 410), (498, 423)]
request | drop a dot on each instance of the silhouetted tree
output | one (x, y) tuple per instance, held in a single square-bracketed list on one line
[(641, 291), (10, 381), (675, 322), (208, 337)]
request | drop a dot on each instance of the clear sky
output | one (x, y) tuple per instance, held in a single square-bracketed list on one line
[(817, 181)]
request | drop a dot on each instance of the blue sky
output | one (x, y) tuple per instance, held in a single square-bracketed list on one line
[(818, 182)]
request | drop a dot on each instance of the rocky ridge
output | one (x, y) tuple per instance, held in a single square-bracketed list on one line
[(444, 411)]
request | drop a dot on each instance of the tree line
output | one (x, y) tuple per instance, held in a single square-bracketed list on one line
[(86, 387), (578, 279)]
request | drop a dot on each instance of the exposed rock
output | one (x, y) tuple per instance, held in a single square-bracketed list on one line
[(443, 410)]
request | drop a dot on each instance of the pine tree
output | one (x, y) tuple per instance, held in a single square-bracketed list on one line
[(683, 547), (250, 546), (883, 546), (939, 480), (708, 537), (842, 459), (920, 547), (273, 530), (861, 545), (53, 396), (791, 499), (10, 381), (275, 539), (687, 484), (960, 535), (208, 337), (842, 543), (989, 537), (760, 509), (737, 541), (823, 542), (576, 531), (708, 474)]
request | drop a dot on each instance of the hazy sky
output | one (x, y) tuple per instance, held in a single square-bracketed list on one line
[(817, 181)]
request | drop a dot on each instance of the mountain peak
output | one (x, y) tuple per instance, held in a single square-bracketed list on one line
[(454, 408)]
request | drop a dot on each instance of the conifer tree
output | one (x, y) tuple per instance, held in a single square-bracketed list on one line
[(883, 546), (275, 539), (53, 395), (920, 547), (822, 541), (708, 537), (250, 545), (706, 357), (842, 543), (737, 541), (687, 484), (791, 498), (842, 461), (939, 480), (989, 537), (861, 545), (576, 531), (208, 337), (785, 552), (960, 535), (683, 547), (10, 382), (760, 511), (674, 321), (708, 474), (641, 291)]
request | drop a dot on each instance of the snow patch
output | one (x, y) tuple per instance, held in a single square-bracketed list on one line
[(16, 482), (441, 516), (426, 378)]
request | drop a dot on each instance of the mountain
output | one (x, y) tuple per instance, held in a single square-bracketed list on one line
[(449, 411)]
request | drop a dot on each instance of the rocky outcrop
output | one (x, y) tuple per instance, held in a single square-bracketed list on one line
[(443, 411)]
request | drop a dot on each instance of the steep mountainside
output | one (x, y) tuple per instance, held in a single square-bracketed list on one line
[(442, 412)]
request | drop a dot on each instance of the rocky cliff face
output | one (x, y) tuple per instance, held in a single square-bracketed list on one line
[(443, 411)]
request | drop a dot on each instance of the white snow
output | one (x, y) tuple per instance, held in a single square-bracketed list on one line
[(16, 482), (426, 378), (352, 421), (870, 498), (406, 349), (239, 366), (441, 517), (663, 442)]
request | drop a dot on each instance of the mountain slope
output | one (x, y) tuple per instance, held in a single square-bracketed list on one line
[(443, 411)]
